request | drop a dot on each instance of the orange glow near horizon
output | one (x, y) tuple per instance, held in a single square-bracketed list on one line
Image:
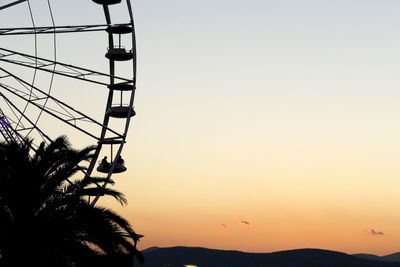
[(262, 214)]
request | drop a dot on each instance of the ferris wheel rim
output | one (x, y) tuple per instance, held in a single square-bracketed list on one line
[(112, 82)]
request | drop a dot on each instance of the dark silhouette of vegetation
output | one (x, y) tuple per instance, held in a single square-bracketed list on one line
[(45, 216)]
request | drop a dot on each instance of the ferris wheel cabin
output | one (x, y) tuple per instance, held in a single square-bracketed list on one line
[(121, 112), (107, 2), (119, 53), (119, 29), (105, 166), (126, 86)]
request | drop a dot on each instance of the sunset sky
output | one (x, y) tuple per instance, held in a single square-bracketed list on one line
[(261, 125)]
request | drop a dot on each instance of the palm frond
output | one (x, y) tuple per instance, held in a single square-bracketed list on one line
[(101, 191)]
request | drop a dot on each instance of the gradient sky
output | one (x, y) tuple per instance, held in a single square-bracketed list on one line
[(262, 125)]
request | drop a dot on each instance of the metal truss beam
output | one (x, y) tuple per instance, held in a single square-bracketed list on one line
[(56, 29)]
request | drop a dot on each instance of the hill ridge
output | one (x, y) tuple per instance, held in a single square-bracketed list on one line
[(180, 256)]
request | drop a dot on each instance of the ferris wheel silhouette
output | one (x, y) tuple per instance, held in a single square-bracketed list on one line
[(29, 104)]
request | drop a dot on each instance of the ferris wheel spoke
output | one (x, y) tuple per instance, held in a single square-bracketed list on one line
[(71, 118), (57, 67), (50, 113), (27, 93), (12, 4), (57, 29)]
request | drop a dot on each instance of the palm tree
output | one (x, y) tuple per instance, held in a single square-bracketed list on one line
[(45, 216)]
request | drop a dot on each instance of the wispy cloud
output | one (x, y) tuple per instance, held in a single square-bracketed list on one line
[(245, 222), (374, 232)]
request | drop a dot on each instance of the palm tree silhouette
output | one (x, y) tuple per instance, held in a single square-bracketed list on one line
[(45, 218)]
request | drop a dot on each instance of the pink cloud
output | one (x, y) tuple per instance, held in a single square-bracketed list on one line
[(373, 232), (245, 222)]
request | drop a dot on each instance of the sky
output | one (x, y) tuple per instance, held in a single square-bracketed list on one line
[(261, 125)]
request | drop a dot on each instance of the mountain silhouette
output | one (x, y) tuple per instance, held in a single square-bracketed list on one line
[(203, 257), (395, 257), (369, 256), (392, 257)]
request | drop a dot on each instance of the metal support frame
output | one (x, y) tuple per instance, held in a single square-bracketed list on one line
[(78, 115), (50, 66)]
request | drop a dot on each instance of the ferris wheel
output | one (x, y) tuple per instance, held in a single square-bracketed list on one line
[(43, 93)]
